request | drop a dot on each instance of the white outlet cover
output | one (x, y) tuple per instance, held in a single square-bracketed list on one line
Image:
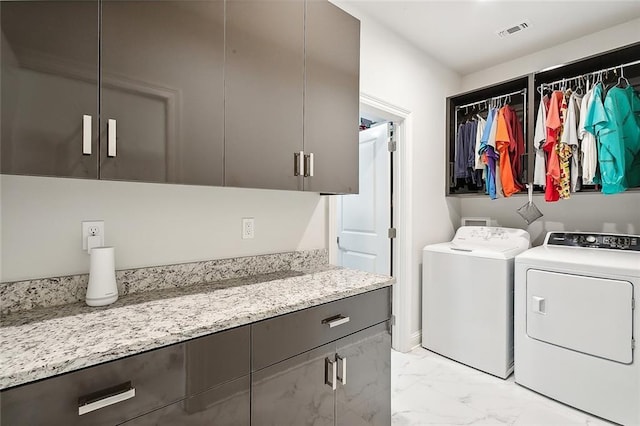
[(86, 225), (248, 228)]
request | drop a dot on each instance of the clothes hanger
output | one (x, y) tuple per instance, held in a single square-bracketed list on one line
[(622, 77)]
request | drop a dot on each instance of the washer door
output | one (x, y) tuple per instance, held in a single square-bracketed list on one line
[(585, 314)]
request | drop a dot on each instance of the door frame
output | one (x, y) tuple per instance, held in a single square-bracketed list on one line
[(402, 218)]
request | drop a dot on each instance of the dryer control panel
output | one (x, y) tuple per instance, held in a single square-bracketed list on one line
[(593, 240)]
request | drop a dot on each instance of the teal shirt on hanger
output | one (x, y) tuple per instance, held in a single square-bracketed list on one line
[(616, 125)]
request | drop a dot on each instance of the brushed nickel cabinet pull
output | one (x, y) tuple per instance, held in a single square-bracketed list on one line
[(111, 138), (105, 398), (86, 134), (342, 368), (336, 321), (331, 373)]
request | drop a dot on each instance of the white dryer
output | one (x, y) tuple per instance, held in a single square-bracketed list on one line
[(575, 322), (467, 297)]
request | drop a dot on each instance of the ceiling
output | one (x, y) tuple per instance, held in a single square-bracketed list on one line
[(462, 34)]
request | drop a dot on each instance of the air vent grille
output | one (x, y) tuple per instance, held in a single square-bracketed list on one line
[(513, 29)]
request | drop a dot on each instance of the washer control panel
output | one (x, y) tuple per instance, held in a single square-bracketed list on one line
[(594, 240)]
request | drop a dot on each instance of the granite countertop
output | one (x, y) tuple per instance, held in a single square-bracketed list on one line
[(41, 343)]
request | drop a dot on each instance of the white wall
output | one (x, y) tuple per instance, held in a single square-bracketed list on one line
[(149, 224), (598, 42), (592, 212), (399, 74), (586, 212)]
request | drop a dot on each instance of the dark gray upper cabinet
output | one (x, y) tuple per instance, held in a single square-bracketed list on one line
[(246, 93), (264, 71), (49, 85), (331, 100), (162, 86)]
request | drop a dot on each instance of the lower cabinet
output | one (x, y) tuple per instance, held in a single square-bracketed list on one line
[(202, 374), (343, 383), (325, 365), (224, 405)]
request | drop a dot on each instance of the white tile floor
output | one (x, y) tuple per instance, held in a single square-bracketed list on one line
[(427, 389)]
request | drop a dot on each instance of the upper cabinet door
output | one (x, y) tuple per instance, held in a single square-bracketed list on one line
[(263, 92), (49, 88), (331, 106), (163, 91)]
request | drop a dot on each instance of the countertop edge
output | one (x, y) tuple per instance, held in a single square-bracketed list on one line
[(29, 376)]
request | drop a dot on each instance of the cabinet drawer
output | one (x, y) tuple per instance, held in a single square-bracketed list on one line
[(282, 337), (224, 405), (158, 378), (217, 358)]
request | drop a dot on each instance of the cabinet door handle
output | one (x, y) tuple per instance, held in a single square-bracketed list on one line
[(336, 321), (298, 158), (111, 137), (342, 368), (86, 134), (308, 165), (330, 373), (105, 397)]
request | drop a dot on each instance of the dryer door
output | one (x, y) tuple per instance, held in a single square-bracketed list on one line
[(585, 314)]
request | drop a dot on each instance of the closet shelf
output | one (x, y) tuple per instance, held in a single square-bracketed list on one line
[(463, 107)]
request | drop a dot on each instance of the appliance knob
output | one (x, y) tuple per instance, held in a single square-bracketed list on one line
[(591, 239)]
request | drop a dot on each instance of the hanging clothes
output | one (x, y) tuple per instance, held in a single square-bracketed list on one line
[(569, 139), (464, 165), (495, 155), (563, 185), (587, 142), (503, 142), (489, 155), (481, 125), (626, 106), (480, 167), (554, 128), (516, 144), (601, 121), (539, 137)]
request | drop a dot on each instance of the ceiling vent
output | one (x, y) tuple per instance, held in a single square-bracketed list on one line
[(513, 29)]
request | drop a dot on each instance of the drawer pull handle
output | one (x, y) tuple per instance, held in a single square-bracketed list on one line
[(336, 321), (342, 366), (105, 397), (330, 373)]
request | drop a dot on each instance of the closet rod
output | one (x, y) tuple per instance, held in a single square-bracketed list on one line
[(495, 98), (564, 80)]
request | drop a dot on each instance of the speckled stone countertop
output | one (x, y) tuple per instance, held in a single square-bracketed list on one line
[(41, 343)]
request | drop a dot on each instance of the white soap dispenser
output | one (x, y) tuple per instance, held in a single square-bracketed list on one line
[(102, 289)]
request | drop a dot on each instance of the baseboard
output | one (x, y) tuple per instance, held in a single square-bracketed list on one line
[(415, 340)]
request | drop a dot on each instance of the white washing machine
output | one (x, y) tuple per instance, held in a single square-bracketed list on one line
[(574, 322), (467, 297)]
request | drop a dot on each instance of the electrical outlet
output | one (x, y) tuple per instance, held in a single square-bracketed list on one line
[(248, 228), (92, 228)]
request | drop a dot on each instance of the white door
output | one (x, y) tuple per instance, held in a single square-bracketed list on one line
[(364, 219)]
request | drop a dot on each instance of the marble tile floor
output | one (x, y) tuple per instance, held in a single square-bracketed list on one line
[(428, 389)]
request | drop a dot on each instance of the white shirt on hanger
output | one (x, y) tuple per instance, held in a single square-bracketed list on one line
[(570, 137), (588, 146), (539, 136)]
